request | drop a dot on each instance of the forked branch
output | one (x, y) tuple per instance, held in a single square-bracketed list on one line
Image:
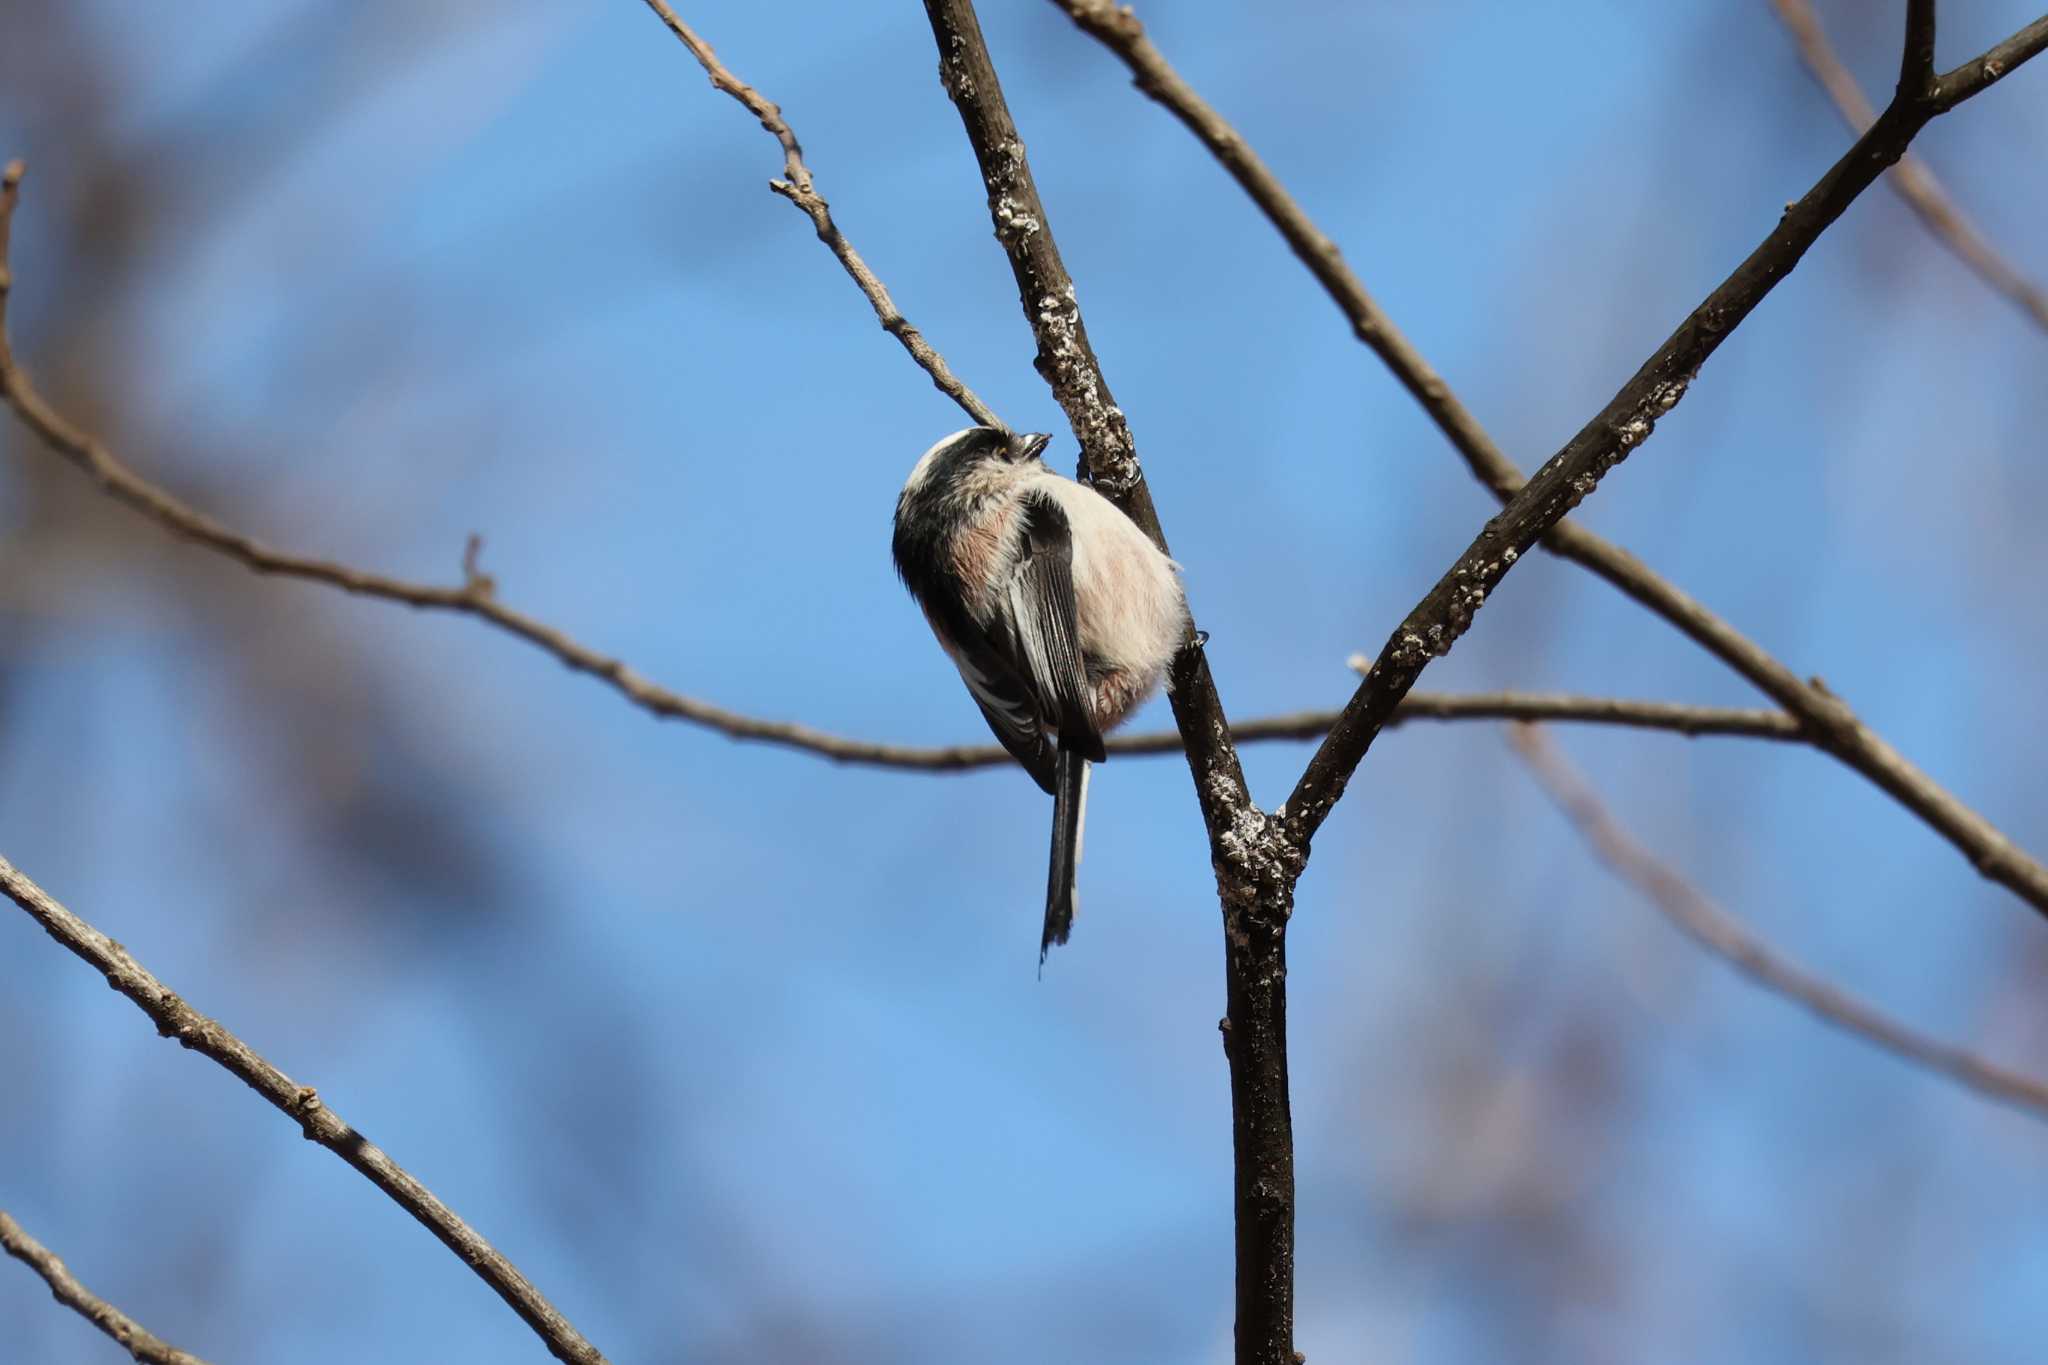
[(1436, 623), (1913, 181)]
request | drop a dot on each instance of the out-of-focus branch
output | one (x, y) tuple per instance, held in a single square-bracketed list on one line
[(1830, 721), (798, 188), (1911, 178), (1255, 871), (127, 1333), (1720, 933), (176, 1019)]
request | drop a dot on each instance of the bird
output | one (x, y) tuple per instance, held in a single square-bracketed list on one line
[(1060, 614)]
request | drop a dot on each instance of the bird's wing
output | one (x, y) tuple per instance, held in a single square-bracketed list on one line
[(1006, 701), (1048, 640)]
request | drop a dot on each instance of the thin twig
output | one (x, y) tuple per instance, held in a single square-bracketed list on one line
[(1626, 422), (798, 188), (1678, 717), (127, 1333), (1720, 933), (1255, 870), (1913, 181), (176, 1019), (1834, 725)]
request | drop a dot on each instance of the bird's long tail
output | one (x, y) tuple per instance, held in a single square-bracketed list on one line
[(1069, 805)]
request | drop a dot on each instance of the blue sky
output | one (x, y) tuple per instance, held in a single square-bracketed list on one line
[(740, 1054)]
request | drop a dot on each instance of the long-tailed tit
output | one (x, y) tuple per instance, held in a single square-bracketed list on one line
[(1058, 611)]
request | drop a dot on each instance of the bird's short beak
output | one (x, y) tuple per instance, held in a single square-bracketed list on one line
[(1030, 445)]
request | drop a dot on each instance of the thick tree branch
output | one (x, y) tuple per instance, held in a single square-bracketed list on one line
[(1067, 362), (1833, 724), (1255, 872), (798, 188), (1913, 181), (127, 1333), (1720, 933), (1626, 422), (176, 1019)]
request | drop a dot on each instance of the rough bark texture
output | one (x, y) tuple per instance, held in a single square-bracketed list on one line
[(1255, 871)]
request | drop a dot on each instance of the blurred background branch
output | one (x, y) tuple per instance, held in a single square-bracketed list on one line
[(129, 1334), (1721, 934)]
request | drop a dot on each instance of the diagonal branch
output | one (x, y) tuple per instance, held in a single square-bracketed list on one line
[(1626, 422), (1720, 933), (127, 1333), (176, 1019), (1834, 725), (1910, 179), (1976, 76), (797, 187)]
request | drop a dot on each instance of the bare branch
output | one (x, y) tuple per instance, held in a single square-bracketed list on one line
[(798, 188), (1916, 60), (176, 1019), (127, 1333), (1720, 933), (1834, 726), (1626, 422), (475, 596), (1913, 181), (1255, 872), (1975, 77), (1677, 717)]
